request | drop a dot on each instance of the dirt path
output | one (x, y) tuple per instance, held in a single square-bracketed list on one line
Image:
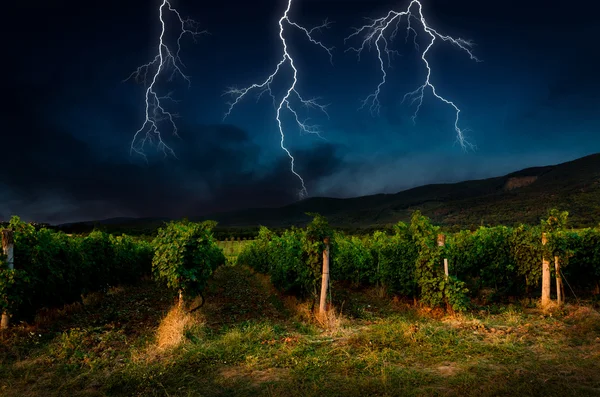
[(236, 294)]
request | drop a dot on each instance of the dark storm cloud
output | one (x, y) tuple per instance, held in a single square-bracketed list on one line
[(53, 176), (566, 109), (69, 118)]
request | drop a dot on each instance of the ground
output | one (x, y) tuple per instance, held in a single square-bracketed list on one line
[(248, 340)]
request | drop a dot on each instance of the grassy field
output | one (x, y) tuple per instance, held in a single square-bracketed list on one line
[(248, 340), (232, 248)]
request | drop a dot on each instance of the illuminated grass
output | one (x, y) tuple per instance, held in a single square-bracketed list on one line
[(249, 341)]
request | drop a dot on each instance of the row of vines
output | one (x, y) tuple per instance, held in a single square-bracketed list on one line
[(52, 269), (494, 262)]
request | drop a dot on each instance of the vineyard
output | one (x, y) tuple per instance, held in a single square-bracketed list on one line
[(402, 324), (54, 269), (487, 265)]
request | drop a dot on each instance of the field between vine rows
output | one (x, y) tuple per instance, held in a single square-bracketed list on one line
[(248, 340), (232, 248)]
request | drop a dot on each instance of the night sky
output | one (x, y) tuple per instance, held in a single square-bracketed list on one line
[(69, 117)]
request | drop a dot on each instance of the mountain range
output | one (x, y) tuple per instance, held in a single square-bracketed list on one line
[(519, 197)]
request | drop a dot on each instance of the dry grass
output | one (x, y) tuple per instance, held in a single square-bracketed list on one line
[(250, 340), (45, 317), (119, 289), (582, 313), (254, 376), (301, 310), (331, 320), (169, 334), (171, 330)]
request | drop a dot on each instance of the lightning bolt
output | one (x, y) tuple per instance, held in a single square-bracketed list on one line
[(291, 93), (165, 60), (375, 33)]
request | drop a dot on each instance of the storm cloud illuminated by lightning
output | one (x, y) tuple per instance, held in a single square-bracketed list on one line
[(382, 32), (291, 93)]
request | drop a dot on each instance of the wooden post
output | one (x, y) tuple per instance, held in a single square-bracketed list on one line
[(8, 247), (545, 277), (8, 250), (441, 240), (325, 278), (180, 302), (559, 289)]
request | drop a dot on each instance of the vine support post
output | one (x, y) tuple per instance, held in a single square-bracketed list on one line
[(8, 248), (545, 276), (180, 301), (324, 279), (441, 240), (559, 286)]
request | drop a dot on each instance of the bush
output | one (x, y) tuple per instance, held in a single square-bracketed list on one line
[(434, 288), (353, 261), (186, 255), (288, 267), (483, 259), (395, 258), (256, 253), (583, 270)]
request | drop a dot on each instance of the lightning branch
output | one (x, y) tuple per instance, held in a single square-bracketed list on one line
[(167, 63), (292, 98), (382, 31)]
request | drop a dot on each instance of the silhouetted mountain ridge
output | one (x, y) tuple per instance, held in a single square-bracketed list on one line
[(519, 197)]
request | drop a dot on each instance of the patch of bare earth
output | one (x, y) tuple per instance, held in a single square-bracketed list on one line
[(584, 313), (256, 377), (448, 369), (236, 295), (517, 182)]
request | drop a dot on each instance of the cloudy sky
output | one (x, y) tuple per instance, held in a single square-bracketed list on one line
[(69, 117)]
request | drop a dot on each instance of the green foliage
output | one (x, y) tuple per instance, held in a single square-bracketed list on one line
[(483, 259), (317, 232), (289, 268), (186, 255), (52, 268), (456, 294), (583, 268), (12, 282), (395, 257), (353, 260), (132, 257), (294, 259), (434, 288), (526, 250), (256, 253), (407, 260), (557, 242)]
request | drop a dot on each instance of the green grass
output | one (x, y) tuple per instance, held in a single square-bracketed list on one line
[(232, 248), (250, 341)]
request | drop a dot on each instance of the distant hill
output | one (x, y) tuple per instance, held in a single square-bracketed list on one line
[(520, 197)]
